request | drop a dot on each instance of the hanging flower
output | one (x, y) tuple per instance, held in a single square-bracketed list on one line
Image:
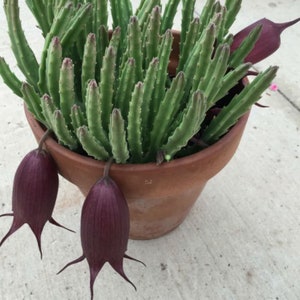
[(268, 41), (34, 193), (104, 228)]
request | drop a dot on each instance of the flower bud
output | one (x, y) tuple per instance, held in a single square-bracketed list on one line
[(268, 41), (34, 194), (104, 229)]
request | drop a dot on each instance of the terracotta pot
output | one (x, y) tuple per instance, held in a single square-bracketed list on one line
[(159, 197)]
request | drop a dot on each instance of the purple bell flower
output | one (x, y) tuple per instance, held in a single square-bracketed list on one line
[(104, 229), (34, 194)]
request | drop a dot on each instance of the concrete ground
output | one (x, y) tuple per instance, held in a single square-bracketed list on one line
[(241, 239)]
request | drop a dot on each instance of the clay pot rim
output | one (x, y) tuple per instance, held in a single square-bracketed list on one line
[(89, 161)]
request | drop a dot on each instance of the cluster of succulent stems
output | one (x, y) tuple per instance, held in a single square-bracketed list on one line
[(110, 93)]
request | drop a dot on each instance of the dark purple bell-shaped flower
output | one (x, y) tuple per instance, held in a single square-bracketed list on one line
[(268, 41), (34, 194), (104, 228)]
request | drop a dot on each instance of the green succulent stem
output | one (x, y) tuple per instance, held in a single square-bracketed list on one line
[(110, 92)]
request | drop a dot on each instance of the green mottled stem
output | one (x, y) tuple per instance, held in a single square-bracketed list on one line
[(39, 10), (239, 105), (188, 7), (66, 88), (152, 35), (169, 14), (238, 56), (60, 22), (93, 114), (215, 73), (162, 74), (206, 14), (134, 128), (79, 20), (149, 83), (90, 145), (126, 85), (107, 86), (135, 47), (53, 65), (167, 110), (231, 79), (186, 129), (23, 53), (145, 10), (9, 78), (206, 46), (117, 137), (32, 100), (102, 43), (88, 62), (232, 7), (62, 132), (78, 117), (100, 14), (48, 109), (189, 43)]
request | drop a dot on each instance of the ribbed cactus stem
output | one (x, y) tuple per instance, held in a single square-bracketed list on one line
[(102, 43), (152, 35), (59, 24), (135, 46), (134, 128), (189, 43), (162, 74), (32, 100), (89, 61), (205, 48), (125, 87), (79, 20), (145, 10), (107, 85), (238, 56), (94, 105), (66, 88), (48, 109), (62, 132), (9, 78), (216, 72), (169, 14), (40, 9), (232, 7), (23, 53), (188, 7), (166, 113), (53, 65), (100, 14), (78, 117), (239, 105), (231, 79), (117, 137), (206, 14), (149, 83), (90, 145), (186, 129)]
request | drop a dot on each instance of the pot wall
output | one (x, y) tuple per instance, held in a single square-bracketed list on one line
[(159, 197)]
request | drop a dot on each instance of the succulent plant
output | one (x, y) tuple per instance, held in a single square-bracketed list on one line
[(109, 93), (113, 94)]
